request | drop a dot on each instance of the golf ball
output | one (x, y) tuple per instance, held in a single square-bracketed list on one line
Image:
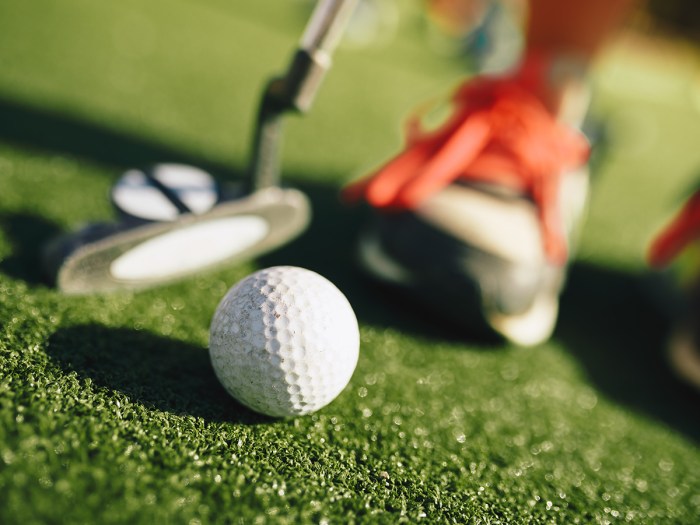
[(284, 341)]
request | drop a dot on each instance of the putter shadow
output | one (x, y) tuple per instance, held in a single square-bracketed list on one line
[(158, 372), (27, 234), (610, 325), (52, 130)]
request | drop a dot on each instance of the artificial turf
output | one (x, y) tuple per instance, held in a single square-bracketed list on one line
[(109, 409)]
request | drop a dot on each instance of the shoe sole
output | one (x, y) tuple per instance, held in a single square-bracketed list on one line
[(467, 306)]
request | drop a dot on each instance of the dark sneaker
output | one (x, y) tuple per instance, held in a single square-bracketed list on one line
[(677, 251), (478, 218)]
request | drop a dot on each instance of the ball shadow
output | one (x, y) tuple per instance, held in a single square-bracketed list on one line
[(158, 372)]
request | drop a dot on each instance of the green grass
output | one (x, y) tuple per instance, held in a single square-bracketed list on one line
[(109, 409)]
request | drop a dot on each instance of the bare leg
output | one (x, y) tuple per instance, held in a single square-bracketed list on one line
[(579, 27), (569, 30)]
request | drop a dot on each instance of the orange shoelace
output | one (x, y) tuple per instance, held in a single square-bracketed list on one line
[(500, 133), (683, 229)]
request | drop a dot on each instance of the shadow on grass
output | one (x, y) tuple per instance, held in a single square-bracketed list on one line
[(609, 324), (158, 372), (605, 322), (27, 234), (52, 130)]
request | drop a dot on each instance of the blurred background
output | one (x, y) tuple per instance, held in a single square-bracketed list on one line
[(592, 425), (679, 17)]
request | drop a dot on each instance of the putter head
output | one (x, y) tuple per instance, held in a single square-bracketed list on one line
[(163, 192), (138, 253)]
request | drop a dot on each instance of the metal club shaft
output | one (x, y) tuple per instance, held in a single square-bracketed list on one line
[(296, 89)]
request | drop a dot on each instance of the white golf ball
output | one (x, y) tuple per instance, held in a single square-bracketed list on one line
[(284, 341)]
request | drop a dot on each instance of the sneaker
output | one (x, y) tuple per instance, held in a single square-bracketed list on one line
[(677, 250), (478, 217)]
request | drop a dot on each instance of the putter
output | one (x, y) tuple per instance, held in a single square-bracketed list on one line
[(175, 220)]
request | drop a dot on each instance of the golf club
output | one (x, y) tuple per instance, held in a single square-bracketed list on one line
[(176, 221)]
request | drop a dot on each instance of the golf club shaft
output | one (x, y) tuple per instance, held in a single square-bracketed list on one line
[(326, 25), (297, 89)]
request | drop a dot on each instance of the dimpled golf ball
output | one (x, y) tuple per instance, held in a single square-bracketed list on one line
[(284, 341)]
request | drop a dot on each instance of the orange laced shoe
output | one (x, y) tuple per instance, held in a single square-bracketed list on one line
[(480, 211), (677, 249)]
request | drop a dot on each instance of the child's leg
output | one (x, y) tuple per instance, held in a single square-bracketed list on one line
[(570, 30), (579, 27)]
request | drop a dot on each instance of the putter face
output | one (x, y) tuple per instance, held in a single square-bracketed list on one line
[(187, 249), (117, 257)]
